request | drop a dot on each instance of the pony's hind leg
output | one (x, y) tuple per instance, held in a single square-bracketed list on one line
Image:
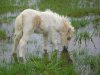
[(17, 38), (22, 44)]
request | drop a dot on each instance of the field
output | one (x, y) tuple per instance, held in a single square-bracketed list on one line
[(83, 56)]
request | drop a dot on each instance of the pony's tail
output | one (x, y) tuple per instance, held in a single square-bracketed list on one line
[(19, 25)]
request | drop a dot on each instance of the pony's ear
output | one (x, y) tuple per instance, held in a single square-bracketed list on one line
[(71, 30)]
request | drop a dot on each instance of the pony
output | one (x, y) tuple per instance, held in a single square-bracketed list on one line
[(46, 23)]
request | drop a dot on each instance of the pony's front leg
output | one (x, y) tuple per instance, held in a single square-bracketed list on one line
[(64, 41), (22, 44), (53, 39), (45, 37)]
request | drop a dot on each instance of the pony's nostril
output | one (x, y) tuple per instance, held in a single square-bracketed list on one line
[(68, 38)]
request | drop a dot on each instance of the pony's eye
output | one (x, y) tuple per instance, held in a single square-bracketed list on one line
[(68, 38)]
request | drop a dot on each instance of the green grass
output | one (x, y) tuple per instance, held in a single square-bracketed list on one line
[(79, 23), (69, 7), (39, 66), (84, 37), (35, 65), (63, 7), (2, 35), (96, 26), (10, 6)]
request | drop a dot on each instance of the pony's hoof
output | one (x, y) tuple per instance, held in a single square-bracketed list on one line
[(21, 60), (45, 50), (70, 61), (65, 48), (14, 55)]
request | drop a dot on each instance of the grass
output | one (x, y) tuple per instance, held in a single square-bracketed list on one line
[(79, 23), (69, 7), (39, 66), (11, 6), (2, 35), (45, 65), (84, 37), (63, 7), (96, 26)]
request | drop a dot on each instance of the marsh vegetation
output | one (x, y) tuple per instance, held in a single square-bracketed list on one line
[(84, 49)]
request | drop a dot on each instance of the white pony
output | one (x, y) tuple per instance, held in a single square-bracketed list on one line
[(47, 23)]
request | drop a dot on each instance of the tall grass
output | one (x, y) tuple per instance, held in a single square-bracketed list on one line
[(53, 66), (79, 23), (39, 66), (84, 37)]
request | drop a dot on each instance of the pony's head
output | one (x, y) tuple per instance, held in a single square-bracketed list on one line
[(66, 33)]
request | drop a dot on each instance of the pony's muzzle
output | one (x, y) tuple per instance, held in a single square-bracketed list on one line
[(69, 38), (65, 48)]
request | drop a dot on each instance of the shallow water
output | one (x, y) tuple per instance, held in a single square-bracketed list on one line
[(93, 48), (35, 42)]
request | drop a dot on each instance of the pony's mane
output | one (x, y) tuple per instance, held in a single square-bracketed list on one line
[(54, 13)]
